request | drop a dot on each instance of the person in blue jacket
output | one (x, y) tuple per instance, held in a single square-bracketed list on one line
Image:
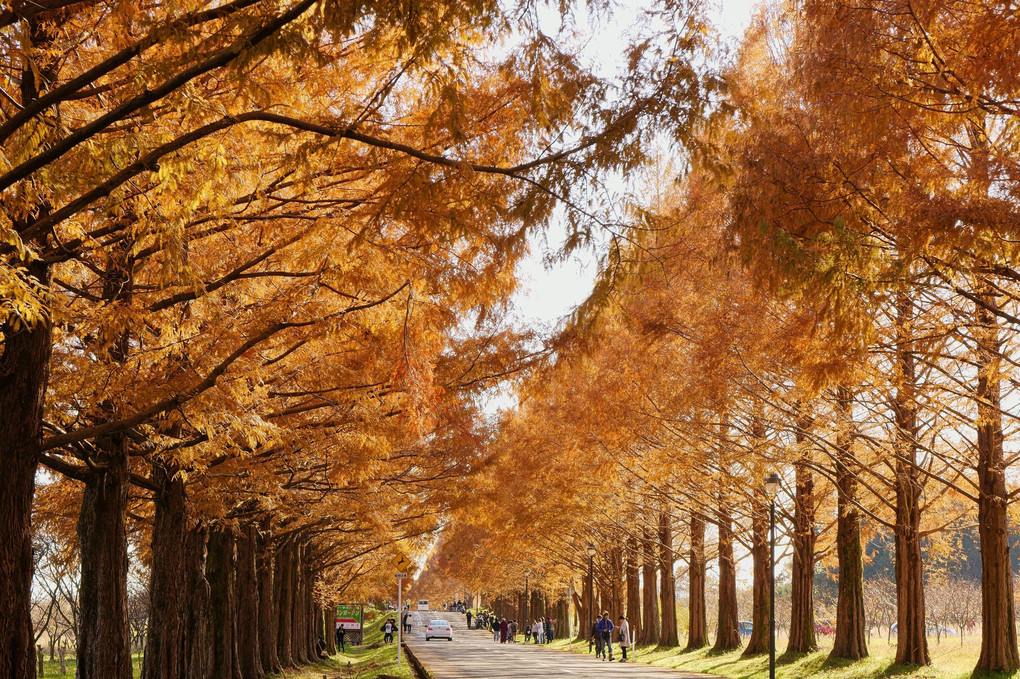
[(605, 629)]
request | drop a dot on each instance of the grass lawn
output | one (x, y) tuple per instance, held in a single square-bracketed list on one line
[(950, 660), (51, 668), (372, 660)]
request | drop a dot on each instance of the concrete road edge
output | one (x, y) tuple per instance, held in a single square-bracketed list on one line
[(416, 665)]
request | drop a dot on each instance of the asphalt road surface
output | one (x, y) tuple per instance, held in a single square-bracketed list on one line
[(473, 655)]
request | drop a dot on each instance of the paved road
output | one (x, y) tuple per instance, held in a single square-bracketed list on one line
[(473, 655)]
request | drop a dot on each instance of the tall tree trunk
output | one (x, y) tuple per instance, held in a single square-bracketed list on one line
[(310, 607), (24, 374), (317, 628), (248, 603), (911, 634), (998, 627), (587, 613), (525, 619), (758, 642), (697, 630), (616, 582), (650, 593), (761, 592), (285, 595), (197, 648), (104, 636), (220, 569), (802, 585), (578, 611), (269, 615), (311, 610), (562, 616), (727, 637), (104, 641), (633, 586), (668, 635), (329, 631), (850, 642), (299, 624), (164, 641)]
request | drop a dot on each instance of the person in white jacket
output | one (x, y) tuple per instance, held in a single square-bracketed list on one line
[(624, 630)]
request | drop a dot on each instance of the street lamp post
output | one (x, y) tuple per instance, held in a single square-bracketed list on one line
[(771, 488), (591, 583)]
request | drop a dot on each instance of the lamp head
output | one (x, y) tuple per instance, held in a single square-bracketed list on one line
[(591, 549), (772, 485)]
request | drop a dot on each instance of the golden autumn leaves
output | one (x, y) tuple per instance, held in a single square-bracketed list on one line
[(828, 291), (256, 260)]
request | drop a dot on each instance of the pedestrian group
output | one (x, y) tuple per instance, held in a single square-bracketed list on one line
[(541, 631)]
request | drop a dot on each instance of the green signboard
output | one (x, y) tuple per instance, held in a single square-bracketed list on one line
[(350, 616)]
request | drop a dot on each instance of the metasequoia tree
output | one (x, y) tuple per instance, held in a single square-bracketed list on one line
[(217, 262), (256, 273), (668, 634), (902, 79), (802, 575), (697, 623)]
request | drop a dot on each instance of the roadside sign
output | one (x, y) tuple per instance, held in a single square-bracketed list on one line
[(400, 576), (401, 563), (349, 616), (423, 604)]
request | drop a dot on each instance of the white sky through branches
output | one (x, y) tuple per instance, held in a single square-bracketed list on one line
[(550, 293)]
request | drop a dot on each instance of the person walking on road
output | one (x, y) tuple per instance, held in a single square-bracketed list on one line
[(469, 619), (389, 627), (495, 628), (605, 630), (548, 630), (624, 637), (504, 630), (595, 638)]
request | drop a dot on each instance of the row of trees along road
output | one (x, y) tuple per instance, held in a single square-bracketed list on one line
[(255, 258), (829, 290)]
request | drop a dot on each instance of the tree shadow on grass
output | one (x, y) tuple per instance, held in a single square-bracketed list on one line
[(712, 653), (790, 657), (831, 663), (993, 675), (891, 670), (727, 669), (899, 670)]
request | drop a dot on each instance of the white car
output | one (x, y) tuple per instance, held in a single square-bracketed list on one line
[(438, 629)]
